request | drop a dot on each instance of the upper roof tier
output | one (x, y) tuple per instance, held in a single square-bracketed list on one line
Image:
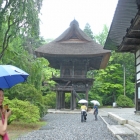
[(73, 42)]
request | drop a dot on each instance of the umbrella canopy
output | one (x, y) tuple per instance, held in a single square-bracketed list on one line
[(82, 101), (95, 102), (11, 75)]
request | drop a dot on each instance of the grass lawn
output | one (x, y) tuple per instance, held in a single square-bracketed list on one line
[(16, 129)]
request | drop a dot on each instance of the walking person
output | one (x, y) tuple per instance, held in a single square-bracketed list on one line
[(4, 115), (95, 112), (83, 112)]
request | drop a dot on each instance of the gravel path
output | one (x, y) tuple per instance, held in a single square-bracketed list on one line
[(109, 120), (69, 127)]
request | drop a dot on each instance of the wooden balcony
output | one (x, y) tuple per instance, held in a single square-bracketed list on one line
[(69, 88)]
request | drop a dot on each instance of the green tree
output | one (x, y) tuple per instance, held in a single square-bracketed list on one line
[(101, 37), (109, 83), (31, 43), (111, 80), (18, 56), (88, 31), (18, 17), (125, 60)]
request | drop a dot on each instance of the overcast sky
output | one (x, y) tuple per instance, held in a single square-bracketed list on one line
[(56, 15)]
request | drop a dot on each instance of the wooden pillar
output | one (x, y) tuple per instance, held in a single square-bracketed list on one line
[(62, 100), (72, 101), (72, 69), (137, 98), (137, 93), (61, 70), (87, 89), (57, 100)]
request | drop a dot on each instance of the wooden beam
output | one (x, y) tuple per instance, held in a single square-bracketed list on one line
[(127, 48)]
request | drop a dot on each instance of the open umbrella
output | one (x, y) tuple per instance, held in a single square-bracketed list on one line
[(95, 102), (82, 101), (11, 75)]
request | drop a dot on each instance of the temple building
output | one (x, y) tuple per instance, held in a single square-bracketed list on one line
[(74, 54), (124, 36)]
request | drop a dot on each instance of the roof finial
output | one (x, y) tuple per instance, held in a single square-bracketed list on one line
[(74, 22)]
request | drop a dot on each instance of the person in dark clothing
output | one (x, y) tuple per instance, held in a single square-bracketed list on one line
[(95, 108)]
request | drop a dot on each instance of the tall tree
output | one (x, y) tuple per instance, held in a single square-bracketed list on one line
[(101, 37), (88, 31), (18, 17), (109, 83)]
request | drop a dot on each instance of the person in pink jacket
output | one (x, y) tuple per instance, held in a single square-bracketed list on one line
[(4, 115)]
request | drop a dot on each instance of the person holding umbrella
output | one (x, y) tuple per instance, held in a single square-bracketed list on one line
[(95, 108), (95, 112), (4, 115), (83, 112)]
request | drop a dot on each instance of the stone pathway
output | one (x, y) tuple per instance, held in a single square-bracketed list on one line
[(69, 127)]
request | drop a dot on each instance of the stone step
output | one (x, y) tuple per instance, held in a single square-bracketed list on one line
[(120, 130), (117, 118), (134, 128), (137, 130), (133, 123), (130, 127)]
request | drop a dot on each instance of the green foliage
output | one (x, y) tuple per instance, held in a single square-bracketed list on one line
[(67, 100), (101, 37), (25, 92), (18, 18), (94, 96), (50, 100), (88, 31), (29, 93), (124, 101), (109, 82), (125, 60), (108, 99), (110, 79), (38, 69), (23, 111)]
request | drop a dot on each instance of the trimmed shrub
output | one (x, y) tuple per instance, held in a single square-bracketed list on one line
[(124, 101), (22, 111)]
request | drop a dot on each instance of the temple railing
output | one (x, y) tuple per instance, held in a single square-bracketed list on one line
[(69, 76), (68, 88)]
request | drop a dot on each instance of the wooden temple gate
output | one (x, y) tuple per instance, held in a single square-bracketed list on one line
[(72, 80), (74, 54)]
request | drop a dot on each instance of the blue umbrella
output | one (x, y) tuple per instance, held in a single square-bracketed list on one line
[(11, 75)]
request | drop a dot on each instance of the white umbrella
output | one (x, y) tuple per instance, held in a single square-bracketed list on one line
[(95, 102), (82, 101)]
